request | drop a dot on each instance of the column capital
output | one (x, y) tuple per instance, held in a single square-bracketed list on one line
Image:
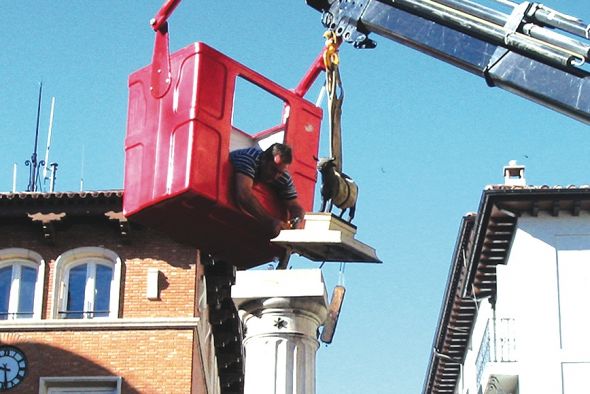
[(282, 311), (281, 301), (261, 284)]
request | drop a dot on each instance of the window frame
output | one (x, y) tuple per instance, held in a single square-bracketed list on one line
[(19, 257), (80, 383), (92, 256)]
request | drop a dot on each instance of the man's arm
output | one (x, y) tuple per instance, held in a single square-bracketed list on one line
[(295, 212), (248, 202)]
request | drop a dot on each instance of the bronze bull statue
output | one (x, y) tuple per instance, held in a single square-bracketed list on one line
[(337, 189)]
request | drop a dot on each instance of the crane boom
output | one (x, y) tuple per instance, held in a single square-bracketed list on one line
[(532, 51)]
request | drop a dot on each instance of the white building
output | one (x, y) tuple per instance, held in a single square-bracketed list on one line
[(515, 313)]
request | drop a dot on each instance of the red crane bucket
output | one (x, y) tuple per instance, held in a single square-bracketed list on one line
[(178, 176)]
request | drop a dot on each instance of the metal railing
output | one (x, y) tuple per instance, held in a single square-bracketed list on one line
[(83, 314), (15, 315), (498, 344)]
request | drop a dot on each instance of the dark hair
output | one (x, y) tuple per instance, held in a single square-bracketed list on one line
[(283, 150)]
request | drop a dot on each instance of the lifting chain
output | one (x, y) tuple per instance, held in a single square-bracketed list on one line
[(335, 95)]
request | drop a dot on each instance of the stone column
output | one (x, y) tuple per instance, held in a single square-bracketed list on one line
[(281, 311)]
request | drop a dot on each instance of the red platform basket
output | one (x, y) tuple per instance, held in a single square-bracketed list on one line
[(178, 176)]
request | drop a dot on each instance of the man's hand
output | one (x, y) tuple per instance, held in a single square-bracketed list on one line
[(296, 213), (295, 222), (279, 225)]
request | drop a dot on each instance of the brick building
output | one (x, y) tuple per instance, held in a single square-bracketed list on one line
[(92, 303)]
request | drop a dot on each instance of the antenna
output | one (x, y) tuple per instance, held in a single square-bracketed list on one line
[(32, 164), (48, 139), (82, 169), (14, 178), (52, 182)]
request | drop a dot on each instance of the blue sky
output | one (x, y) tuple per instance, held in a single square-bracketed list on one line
[(420, 137)]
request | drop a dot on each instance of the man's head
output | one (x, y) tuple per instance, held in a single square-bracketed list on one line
[(275, 162)]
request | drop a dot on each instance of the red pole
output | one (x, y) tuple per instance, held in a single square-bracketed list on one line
[(311, 75), (164, 13)]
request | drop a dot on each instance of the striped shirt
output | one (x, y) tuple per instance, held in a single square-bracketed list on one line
[(247, 161)]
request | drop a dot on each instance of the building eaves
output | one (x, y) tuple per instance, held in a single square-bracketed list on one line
[(443, 368), (483, 242), (60, 195), (498, 213), (85, 202)]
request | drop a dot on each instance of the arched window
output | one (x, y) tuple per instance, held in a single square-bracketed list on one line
[(21, 284), (87, 284)]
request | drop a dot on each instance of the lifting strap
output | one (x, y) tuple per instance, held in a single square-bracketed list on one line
[(335, 95)]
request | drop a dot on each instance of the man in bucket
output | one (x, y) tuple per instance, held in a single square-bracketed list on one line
[(252, 165)]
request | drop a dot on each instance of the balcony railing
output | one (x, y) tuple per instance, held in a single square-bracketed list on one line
[(498, 344), (83, 314), (15, 315)]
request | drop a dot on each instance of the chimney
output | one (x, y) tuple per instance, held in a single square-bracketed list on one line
[(281, 311), (514, 174)]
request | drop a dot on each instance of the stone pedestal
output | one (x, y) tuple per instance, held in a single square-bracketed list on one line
[(325, 237), (281, 311)]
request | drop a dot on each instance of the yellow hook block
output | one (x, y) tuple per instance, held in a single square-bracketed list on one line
[(331, 52)]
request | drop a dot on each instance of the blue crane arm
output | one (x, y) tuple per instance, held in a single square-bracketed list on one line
[(532, 50)]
